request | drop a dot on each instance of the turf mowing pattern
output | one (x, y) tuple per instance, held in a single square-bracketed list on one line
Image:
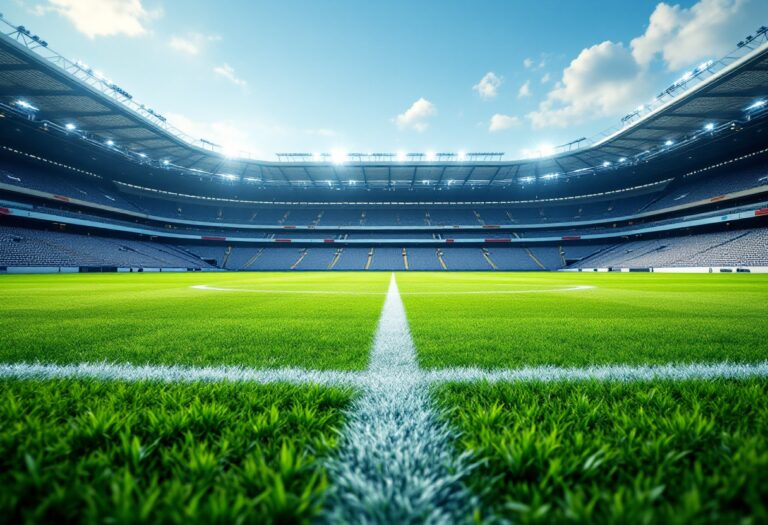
[(628, 437), (160, 319), (625, 319)]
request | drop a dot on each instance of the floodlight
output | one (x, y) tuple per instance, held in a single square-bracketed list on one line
[(623, 159), (70, 126), (166, 162), (757, 105), (338, 157), (709, 126), (462, 155), (143, 155), (430, 156), (606, 164), (317, 157), (26, 105), (549, 176), (668, 143), (401, 156), (526, 179), (110, 142)]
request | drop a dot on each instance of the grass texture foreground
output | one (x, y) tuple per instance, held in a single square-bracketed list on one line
[(564, 451), (659, 452), (114, 452)]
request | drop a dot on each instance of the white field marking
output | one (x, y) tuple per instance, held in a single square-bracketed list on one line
[(396, 463), (181, 374), (617, 373), (213, 374), (205, 287)]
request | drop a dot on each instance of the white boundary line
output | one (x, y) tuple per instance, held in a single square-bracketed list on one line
[(180, 374), (205, 287), (213, 374)]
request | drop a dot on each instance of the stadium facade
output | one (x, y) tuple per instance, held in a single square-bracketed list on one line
[(91, 180)]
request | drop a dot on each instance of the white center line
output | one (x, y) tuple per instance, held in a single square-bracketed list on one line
[(396, 463)]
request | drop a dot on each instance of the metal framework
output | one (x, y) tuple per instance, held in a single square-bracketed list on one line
[(719, 94)]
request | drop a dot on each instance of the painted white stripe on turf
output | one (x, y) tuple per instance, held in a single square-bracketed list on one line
[(396, 463), (676, 372), (207, 288), (128, 372)]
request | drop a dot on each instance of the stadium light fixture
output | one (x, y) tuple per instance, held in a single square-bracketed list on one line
[(756, 105), (623, 159), (70, 126), (668, 143), (26, 105), (462, 155), (110, 142), (606, 164), (709, 126), (525, 180), (550, 176), (166, 162), (317, 157), (227, 176), (401, 156), (430, 156), (425, 182), (338, 157), (143, 155)]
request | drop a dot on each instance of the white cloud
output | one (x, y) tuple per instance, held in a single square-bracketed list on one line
[(710, 28), (416, 116), (603, 80), (501, 122), (610, 78), (528, 63), (191, 43), (546, 78), (102, 17), (228, 72), (525, 90), (488, 87), (320, 132)]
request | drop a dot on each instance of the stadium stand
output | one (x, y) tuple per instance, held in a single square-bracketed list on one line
[(28, 247), (728, 248), (675, 197)]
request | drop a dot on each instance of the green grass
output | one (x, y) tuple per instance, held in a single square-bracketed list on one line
[(687, 452), (159, 319), (627, 318), (116, 452)]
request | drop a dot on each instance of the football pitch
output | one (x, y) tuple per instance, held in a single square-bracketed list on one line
[(381, 398)]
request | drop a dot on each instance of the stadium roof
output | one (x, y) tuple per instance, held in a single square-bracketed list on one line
[(69, 95)]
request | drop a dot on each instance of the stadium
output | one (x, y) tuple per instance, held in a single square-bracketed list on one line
[(192, 333)]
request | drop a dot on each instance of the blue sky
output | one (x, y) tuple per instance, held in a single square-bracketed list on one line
[(358, 76)]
